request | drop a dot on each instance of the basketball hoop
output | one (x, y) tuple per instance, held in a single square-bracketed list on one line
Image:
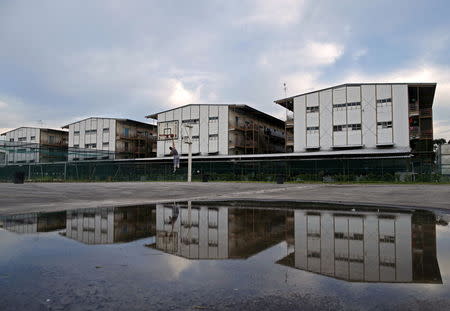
[(166, 136)]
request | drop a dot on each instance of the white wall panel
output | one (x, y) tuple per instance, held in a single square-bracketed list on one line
[(340, 138), (223, 130), (400, 113), (339, 116), (369, 123), (384, 135), (312, 140), (299, 124), (354, 115), (312, 100), (383, 91), (204, 129), (354, 137), (312, 119), (326, 120), (300, 233), (384, 112), (339, 95), (353, 94)]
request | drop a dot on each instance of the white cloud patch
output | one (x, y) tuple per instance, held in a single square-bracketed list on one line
[(311, 55), (272, 12), (177, 265), (321, 53), (181, 96), (359, 53)]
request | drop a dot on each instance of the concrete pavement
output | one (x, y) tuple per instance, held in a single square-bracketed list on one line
[(34, 197)]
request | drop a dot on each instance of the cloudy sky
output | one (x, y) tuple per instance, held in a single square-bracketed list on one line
[(65, 60)]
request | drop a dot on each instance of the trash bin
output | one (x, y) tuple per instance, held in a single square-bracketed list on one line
[(19, 177), (280, 179), (205, 178)]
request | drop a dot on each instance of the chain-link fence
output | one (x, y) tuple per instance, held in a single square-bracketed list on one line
[(389, 169)]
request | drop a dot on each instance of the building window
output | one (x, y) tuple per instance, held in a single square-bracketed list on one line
[(338, 128), (313, 254), (385, 125), (51, 139), (76, 133), (126, 132), (312, 109), (213, 135), (387, 239), (195, 137), (213, 118), (354, 127), (191, 121), (387, 264), (339, 105), (91, 146), (312, 128), (357, 236), (126, 147), (106, 130), (11, 139), (340, 235), (22, 139), (354, 104), (33, 137), (105, 144), (76, 146), (91, 131), (384, 100)]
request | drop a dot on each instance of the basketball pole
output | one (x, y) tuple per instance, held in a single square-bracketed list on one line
[(189, 142)]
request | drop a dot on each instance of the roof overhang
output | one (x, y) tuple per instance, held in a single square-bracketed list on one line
[(242, 108), (117, 119), (288, 102)]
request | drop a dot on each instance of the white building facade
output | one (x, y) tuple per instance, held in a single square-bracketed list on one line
[(209, 129), (443, 159), (34, 145), (219, 130), (108, 138), (92, 133), (367, 116)]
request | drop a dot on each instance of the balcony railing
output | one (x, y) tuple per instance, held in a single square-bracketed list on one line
[(426, 112)]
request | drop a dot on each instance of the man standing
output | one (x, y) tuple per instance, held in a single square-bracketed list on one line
[(176, 157)]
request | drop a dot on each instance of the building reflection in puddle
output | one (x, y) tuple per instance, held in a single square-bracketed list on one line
[(353, 244), (197, 231), (34, 222), (365, 246), (111, 225)]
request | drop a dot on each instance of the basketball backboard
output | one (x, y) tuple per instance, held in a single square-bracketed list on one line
[(168, 130)]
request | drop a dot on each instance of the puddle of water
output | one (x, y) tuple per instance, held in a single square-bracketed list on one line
[(225, 255)]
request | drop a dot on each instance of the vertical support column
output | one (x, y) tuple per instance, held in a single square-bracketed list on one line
[(190, 154)]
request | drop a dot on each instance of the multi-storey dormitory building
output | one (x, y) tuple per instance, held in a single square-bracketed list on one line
[(34, 222), (110, 225), (219, 130), (366, 245), (393, 116), (219, 232), (108, 138), (34, 145)]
